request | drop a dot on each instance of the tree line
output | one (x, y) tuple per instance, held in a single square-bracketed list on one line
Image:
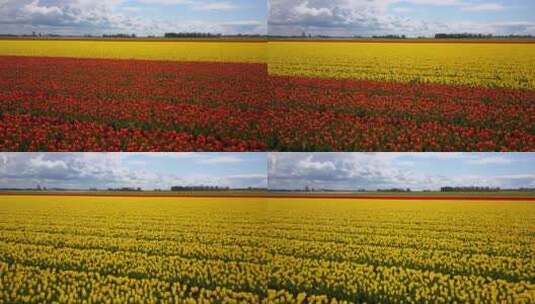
[(479, 36), (483, 189)]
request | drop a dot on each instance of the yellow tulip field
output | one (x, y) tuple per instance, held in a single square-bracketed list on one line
[(387, 251), (505, 65), (264, 250), (213, 51)]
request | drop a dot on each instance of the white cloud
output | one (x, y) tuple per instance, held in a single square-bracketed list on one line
[(335, 18), (78, 17), (34, 8), (335, 170), (111, 170), (374, 17), (39, 162), (304, 9), (309, 164), (351, 171)]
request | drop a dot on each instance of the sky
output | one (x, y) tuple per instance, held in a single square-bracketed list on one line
[(141, 17), (418, 171), (276, 17), (146, 170), (409, 17), (336, 171)]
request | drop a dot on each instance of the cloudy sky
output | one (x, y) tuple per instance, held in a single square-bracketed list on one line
[(340, 171), (145, 170), (418, 171), (142, 17), (409, 17)]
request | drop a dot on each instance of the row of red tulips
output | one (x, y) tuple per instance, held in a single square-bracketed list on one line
[(347, 115), (30, 133), (140, 105)]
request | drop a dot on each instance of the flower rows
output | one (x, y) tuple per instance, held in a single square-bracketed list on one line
[(346, 115), (152, 49), (30, 284), (54, 104), (503, 65), (254, 250), (59, 104), (30, 133), (130, 250), (326, 251)]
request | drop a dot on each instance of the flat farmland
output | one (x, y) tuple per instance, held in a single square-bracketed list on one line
[(265, 250), (96, 249), (84, 95), (400, 251), (359, 96), (508, 65), (132, 96), (218, 51)]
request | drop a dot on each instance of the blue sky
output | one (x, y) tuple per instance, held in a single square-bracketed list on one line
[(145, 170), (418, 171), (283, 17), (410, 17), (340, 171), (142, 17)]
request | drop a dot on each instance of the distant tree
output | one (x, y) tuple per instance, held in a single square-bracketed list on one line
[(394, 190), (390, 37), (462, 36), (470, 189), (191, 35)]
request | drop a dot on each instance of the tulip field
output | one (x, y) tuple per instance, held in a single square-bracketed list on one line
[(346, 115), (69, 104), (493, 65), (132, 96), (392, 251), (131, 250), (277, 96), (355, 96), (191, 51), (265, 250)]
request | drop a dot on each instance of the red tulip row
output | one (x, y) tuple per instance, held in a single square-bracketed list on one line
[(225, 121), (30, 133), (137, 105), (327, 131), (345, 115), (179, 82)]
